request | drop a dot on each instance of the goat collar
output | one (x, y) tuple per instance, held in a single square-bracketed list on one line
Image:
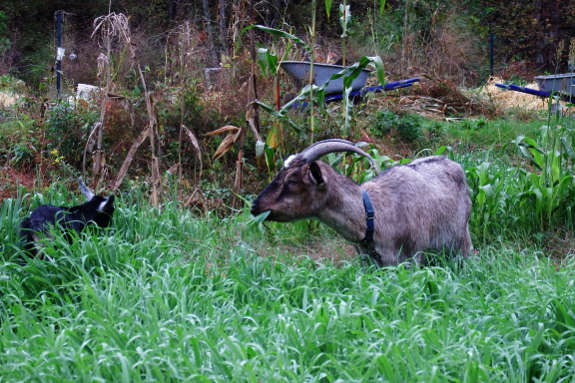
[(369, 218)]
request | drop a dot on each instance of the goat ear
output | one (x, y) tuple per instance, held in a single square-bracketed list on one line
[(107, 204), (88, 194), (316, 175)]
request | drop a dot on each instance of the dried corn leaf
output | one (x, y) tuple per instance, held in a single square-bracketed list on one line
[(234, 134), (252, 126), (223, 129), (172, 169), (228, 143), (194, 141), (196, 145), (236, 200)]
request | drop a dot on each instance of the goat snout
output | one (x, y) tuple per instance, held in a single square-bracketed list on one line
[(256, 208)]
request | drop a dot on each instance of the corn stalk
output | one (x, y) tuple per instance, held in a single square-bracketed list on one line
[(118, 26), (109, 30), (235, 136)]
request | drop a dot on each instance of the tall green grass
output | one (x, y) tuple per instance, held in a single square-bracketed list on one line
[(166, 296)]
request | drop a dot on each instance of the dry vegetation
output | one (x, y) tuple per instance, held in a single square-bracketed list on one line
[(159, 101), (506, 100)]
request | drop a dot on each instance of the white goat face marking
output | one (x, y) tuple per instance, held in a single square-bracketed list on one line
[(288, 160), (103, 205)]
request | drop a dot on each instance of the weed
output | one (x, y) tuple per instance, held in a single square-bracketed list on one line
[(385, 122), (409, 128), (67, 128)]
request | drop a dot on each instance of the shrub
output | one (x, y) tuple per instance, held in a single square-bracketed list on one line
[(67, 129), (409, 128), (406, 128), (434, 131), (385, 121)]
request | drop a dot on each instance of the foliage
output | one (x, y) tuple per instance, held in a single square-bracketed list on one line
[(530, 32), (407, 128), (38, 68), (19, 149), (19, 141), (67, 128), (4, 42), (385, 122), (11, 84), (530, 197), (165, 296), (444, 38), (551, 190), (173, 105)]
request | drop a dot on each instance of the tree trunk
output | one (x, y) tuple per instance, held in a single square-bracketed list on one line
[(172, 11), (210, 30), (548, 17), (222, 22), (272, 13)]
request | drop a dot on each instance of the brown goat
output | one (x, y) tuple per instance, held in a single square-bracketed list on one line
[(421, 206)]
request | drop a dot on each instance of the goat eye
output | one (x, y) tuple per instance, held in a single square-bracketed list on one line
[(292, 182)]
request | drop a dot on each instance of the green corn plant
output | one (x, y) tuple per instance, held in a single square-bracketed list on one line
[(549, 189), (487, 183), (269, 63), (344, 19), (316, 94), (349, 74)]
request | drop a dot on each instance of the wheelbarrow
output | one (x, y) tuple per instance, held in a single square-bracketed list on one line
[(560, 85), (299, 71)]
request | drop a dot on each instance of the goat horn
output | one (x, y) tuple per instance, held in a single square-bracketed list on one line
[(85, 190), (322, 148), (328, 141)]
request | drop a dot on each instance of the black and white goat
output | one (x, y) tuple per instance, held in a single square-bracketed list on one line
[(98, 210), (394, 217)]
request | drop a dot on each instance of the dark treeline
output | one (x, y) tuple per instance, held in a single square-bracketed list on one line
[(524, 31)]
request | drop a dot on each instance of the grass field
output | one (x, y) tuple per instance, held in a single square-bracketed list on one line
[(165, 296)]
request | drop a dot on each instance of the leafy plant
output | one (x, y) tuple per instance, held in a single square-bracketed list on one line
[(67, 128), (385, 122), (409, 128), (549, 190), (518, 80), (490, 195)]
